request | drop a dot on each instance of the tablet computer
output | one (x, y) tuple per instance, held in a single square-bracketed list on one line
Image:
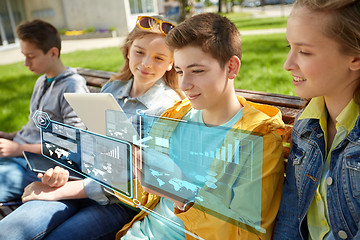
[(91, 108), (106, 160), (40, 164)]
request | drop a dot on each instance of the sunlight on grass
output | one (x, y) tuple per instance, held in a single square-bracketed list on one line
[(262, 65), (260, 23), (244, 21), (16, 85), (106, 59)]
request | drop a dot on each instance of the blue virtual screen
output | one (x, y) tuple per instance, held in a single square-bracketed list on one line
[(218, 168), (104, 159)]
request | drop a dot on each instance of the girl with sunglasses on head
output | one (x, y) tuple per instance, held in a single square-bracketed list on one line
[(321, 192), (59, 209)]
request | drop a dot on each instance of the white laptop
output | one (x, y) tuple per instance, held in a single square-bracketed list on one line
[(91, 108)]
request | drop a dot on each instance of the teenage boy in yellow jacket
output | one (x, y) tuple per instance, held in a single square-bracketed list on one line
[(207, 53)]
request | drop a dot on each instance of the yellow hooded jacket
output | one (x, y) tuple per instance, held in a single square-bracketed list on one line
[(258, 118)]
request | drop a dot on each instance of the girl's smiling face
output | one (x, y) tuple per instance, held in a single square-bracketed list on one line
[(317, 65), (149, 59)]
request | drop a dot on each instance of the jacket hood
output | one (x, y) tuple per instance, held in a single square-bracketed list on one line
[(260, 117), (66, 73)]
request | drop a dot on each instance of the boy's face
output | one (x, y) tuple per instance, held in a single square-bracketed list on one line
[(201, 78), (35, 59)]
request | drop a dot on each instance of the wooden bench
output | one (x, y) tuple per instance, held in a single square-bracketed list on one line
[(7, 208), (289, 106)]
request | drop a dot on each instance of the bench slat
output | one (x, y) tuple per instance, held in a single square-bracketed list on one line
[(94, 81), (6, 210), (272, 98), (96, 73)]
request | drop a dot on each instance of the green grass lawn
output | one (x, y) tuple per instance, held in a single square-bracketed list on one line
[(249, 23), (261, 70), (106, 59), (262, 65)]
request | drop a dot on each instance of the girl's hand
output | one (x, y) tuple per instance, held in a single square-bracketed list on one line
[(39, 191), (54, 177)]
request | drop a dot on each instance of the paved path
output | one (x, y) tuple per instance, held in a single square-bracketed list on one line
[(12, 54)]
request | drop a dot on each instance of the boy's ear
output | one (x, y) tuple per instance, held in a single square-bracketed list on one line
[(54, 52), (355, 64), (233, 67)]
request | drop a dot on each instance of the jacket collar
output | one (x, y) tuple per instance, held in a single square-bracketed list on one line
[(314, 116), (354, 135), (147, 99)]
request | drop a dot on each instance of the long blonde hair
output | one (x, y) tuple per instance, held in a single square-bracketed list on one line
[(125, 74)]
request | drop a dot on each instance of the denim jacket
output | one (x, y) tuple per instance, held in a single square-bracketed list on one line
[(303, 174)]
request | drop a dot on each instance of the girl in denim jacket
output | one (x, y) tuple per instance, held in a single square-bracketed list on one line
[(321, 196)]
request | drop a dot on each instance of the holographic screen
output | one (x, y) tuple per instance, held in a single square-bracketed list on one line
[(220, 169), (104, 159)]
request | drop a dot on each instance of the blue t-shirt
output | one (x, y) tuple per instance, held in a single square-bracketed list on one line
[(192, 144)]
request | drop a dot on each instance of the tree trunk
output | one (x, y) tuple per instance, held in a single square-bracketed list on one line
[(220, 6), (183, 10)]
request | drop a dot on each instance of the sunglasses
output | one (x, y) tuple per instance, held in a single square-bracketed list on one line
[(145, 22)]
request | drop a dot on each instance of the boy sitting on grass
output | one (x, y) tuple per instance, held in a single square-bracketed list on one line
[(40, 43), (227, 203)]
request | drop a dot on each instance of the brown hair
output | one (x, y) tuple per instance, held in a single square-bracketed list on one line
[(343, 26), (125, 74), (213, 33), (41, 33)]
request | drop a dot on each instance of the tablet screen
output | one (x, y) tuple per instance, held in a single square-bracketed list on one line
[(91, 108), (39, 163)]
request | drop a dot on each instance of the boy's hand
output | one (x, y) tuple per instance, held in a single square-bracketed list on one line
[(137, 165), (9, 148), (54, 177)]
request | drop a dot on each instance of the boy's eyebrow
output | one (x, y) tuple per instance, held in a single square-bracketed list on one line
[(27, 53), (191, 65)]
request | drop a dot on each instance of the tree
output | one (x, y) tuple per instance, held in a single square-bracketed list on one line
[(184, 9)]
